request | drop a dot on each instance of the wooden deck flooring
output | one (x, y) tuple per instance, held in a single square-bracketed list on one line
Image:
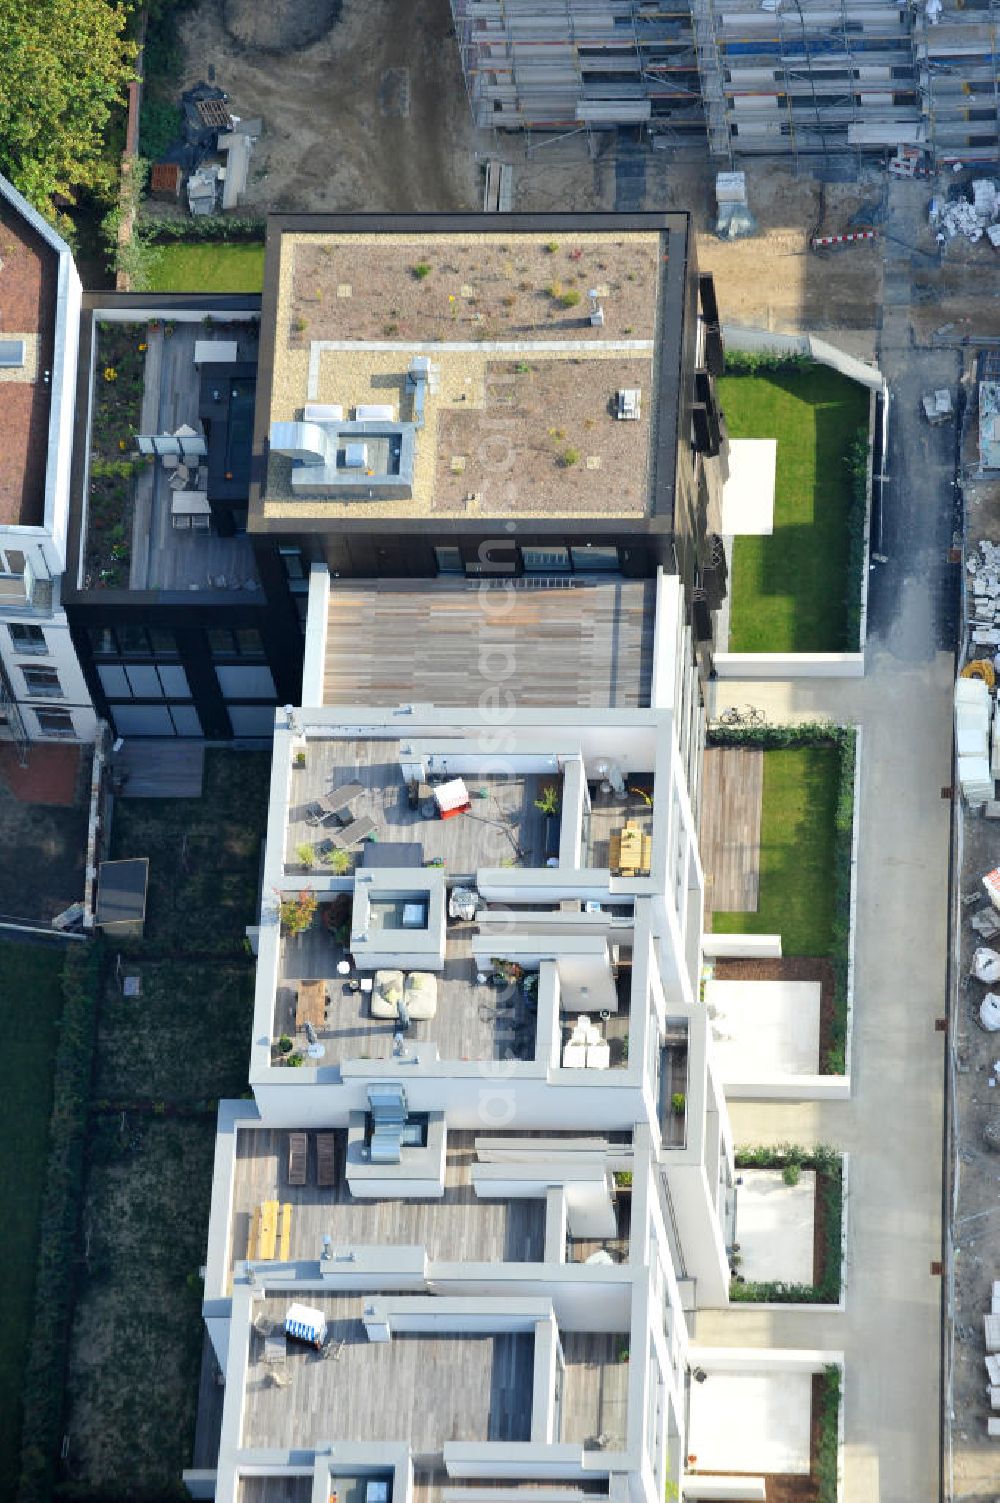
[(442, 643), (422, 1388), (161, 769), (730, 827), (278, 1490), (594, 1388), (472, 1021), (458, 1227), (500, 824), (164, 558)]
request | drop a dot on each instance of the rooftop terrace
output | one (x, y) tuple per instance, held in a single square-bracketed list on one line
[(503, 824), (460, 1227), (518, 416), (155, 389), (426, 1389), (443, 643), (28, 278), (470, 1021)]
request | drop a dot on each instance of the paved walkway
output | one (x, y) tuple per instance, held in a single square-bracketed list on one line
[(892, 1126)]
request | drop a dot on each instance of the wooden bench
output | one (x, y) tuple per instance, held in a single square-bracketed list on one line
[(326, 1167), (270, 1232), (298, 1157)]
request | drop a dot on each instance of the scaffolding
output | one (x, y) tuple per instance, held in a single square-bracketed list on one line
[(787, 76), (957, 66), (560, 65)]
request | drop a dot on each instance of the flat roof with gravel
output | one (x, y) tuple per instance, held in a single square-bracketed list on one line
[(519, 413)]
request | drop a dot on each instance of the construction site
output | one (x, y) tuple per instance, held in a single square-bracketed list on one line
[(795, 77)]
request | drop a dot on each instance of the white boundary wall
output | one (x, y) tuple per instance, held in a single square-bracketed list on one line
[(747, 665), (810, 665)]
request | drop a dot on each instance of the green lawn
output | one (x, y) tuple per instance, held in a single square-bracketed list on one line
[(203, 857), (210, 266), (789, 591), (185, 1040), (797, 853), (31, 991), (137, 1327), (166, 1057)]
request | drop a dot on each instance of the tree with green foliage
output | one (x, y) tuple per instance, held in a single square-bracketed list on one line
[(64, 65)]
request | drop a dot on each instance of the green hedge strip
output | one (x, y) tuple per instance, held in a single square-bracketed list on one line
[(64, 1177), (827, 1165)]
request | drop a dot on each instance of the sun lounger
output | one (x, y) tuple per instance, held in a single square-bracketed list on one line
[(326, 1166), (297, 1158), (354, 833), (334, 803)]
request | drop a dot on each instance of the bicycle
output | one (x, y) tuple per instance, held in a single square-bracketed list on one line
[(752, 716)]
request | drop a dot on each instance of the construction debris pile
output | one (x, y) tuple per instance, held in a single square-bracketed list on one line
[(733, 217), (984, 599), (214, 151), (992, 1331), (972, 218)]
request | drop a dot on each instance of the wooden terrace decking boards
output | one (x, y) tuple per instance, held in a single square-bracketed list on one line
[(208, 1423), (419, 1388), (594, 1388), (608, 816), (278, 1490), (730, 827), (164, 558), (472, 1021), (161, 769), (459, 1227), (442, 643), (495, 829)]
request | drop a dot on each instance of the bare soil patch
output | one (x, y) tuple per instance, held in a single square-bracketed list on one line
[(314, 70), (279, 28)]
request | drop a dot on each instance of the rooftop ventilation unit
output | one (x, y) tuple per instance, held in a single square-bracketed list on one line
[(375, 412), (629, 407), (355, 456), (323, 412), (305, 442)]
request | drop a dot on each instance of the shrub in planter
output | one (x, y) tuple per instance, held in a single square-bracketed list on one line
[(678, 1102)]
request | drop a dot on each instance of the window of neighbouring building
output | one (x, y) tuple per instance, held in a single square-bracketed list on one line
[(246, 683), (55, 722), (43, 682), (27, 638)]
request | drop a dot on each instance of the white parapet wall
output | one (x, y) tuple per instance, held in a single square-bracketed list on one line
[(742, 946), (750, 665)]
